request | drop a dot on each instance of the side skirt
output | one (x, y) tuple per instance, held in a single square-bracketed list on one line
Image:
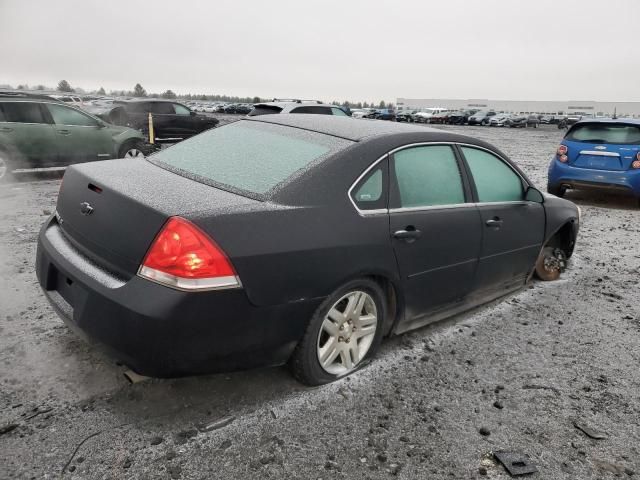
[(471, 301)]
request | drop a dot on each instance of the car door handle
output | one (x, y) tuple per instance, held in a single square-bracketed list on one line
[(495, 222), (6, 129), (64, 132), (410, 234)]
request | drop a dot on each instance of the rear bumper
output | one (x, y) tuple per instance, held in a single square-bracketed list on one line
[(584, 178), (161, 332)]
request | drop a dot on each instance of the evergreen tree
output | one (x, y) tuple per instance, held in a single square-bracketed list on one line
[(101, 91), (138, 91), (169, 94), (63, 86)]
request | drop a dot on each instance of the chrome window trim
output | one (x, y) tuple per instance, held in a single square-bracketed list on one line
[(457, 205), (599, 153), (379, 211), (431, 207)]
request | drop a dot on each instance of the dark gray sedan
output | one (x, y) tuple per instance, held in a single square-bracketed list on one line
[(300, 239)]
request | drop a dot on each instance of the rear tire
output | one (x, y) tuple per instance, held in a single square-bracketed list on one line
[(558, 191), (343, 334)]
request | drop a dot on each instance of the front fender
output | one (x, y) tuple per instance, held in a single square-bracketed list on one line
[(561, 214)]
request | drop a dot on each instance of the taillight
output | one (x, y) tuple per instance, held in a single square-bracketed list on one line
[(562, 153), (184, 257), (636, 162)]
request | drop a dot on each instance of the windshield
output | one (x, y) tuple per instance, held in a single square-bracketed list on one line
[(248, 156), (605, 133)]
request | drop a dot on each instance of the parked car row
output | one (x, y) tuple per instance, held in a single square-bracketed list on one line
[(241, 108), (485, 118)]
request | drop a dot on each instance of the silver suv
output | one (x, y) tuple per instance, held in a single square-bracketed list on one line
[(296, 106)]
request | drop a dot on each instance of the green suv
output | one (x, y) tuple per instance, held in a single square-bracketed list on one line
[(38, 131)]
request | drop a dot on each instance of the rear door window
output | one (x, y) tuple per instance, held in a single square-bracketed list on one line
[(428, 176), (605, 133), (248, 156), (22, 112), (495, 181)]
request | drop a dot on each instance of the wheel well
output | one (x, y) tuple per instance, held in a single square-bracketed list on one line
[(393, 303), (563, 239)]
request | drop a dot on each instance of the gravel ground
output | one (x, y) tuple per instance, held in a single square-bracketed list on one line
[(515, 375)]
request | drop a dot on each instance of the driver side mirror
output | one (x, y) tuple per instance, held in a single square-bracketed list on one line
[(192, 113), (533, 195)]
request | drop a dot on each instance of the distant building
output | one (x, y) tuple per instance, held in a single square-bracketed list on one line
[(598, 109)]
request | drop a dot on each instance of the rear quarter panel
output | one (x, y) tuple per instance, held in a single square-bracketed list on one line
[(288, 254)]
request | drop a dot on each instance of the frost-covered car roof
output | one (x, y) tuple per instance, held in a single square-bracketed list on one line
[(343, 127)]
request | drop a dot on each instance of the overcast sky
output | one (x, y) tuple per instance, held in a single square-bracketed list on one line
[(330, 49)]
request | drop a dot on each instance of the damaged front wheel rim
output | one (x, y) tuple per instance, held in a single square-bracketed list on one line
[(550, 264)]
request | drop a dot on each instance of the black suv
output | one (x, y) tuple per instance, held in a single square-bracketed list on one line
[(172, 121)]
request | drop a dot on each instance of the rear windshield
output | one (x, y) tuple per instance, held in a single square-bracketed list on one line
[(605, 133), (247, 157)]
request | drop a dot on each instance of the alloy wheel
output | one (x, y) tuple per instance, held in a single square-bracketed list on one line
[(134, 153), (347, 332)]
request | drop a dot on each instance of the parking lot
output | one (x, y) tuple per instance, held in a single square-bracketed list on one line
[(519, 374)]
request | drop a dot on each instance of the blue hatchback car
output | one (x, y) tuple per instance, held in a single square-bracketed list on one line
[(598, 154)]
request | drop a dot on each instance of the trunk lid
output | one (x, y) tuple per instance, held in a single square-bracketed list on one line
[(112, 210)]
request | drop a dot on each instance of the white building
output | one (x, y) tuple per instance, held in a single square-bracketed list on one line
[(599, 109)]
